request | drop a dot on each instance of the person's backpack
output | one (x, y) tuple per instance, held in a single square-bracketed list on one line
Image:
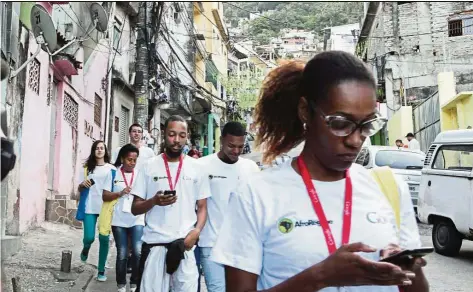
[(386, 180)]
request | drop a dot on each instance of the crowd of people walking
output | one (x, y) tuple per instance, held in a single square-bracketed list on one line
[(301, 226)]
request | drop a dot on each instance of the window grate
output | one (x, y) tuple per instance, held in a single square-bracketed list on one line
[(71, 111), (33, 77), (124, 119), (98, 110)]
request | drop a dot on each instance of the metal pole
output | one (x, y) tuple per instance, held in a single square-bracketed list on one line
[(111, 31), (66, 261)]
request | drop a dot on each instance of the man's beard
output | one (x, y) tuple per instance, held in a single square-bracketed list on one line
[(171, 153)]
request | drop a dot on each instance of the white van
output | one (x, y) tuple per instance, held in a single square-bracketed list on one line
[(446, 190), (405, 164)]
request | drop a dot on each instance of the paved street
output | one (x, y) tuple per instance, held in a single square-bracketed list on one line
[(448, 274), (38, 262)]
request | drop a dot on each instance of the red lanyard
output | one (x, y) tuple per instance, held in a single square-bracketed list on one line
[(124, 178), (320, 211), (168, 172)]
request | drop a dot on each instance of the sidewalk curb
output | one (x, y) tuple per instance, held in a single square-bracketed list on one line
[(83, 281)]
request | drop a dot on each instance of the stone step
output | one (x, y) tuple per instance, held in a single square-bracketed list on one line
[(62, 210)]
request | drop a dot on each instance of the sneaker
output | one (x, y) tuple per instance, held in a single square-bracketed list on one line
[(122, 288), (101, 277), (84, 255), (133, 287)]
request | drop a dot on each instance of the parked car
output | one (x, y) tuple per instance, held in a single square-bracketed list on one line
[(446, 190), (406, 164)]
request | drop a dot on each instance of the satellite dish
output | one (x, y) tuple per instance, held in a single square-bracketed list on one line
[(99, 17), (43, 27), (44, 32)]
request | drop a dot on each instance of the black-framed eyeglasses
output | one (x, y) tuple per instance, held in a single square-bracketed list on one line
[(341, 126)]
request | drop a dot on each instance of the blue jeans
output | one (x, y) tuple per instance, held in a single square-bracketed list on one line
[(121, 240), (199, 267), (214, 273)]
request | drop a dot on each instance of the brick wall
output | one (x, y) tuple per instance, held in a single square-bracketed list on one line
[(422, 46)]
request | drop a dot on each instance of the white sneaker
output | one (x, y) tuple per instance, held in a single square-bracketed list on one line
[(133, 288), (122, 289)]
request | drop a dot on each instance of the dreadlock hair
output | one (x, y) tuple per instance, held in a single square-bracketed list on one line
[(276, 114)]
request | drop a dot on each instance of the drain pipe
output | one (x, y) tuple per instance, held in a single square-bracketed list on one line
[(107, 137)]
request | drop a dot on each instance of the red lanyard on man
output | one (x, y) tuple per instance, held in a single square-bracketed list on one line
[(124, 178), (168, 172), (320, 211)]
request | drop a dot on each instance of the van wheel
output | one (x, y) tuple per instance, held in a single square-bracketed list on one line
[(447, 240)]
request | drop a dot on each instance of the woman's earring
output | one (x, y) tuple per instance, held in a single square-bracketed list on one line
[(304, 125)]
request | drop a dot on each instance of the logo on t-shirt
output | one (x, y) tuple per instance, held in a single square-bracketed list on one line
[(374, 217), (156, 178), (216, 176), (285, 225)]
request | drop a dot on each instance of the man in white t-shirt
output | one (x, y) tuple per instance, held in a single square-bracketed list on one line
[(413, 143), (168, 189), (136, 135), (226, 171)]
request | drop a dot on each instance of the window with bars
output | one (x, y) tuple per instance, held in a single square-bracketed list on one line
[(124, 119), (33, 76), (71, 111), (98, 110), (116, 126), (460, 26)]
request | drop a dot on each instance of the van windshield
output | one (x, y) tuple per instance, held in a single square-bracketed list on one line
[(399, 159)]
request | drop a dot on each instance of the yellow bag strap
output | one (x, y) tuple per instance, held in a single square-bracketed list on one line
[(85, 172), (387, 182)]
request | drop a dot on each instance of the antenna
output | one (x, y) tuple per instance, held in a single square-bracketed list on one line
[(99, 16), (44, 32), (99, 22)]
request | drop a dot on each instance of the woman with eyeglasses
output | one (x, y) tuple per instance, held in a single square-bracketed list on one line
[(318, 222)]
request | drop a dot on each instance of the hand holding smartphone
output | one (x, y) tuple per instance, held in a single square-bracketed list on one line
[(407, 254)]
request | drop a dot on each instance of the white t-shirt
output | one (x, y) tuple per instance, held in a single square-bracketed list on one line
[(223, 179), (122, 216), (414, 144), (271, 228), (93, 205), (145, 154), (168, 223)]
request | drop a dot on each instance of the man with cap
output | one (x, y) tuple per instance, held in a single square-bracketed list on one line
[(413, 143)]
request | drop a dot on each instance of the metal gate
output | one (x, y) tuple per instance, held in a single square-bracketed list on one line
[(426, 117)]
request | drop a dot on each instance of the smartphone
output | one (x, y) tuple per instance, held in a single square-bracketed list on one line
[(170, 193), (92, 182), (408, 253)]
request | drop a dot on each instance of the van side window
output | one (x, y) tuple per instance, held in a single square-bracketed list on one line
[(455, 158)]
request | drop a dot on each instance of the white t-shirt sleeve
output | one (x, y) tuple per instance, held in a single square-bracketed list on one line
[(409, 232), (107, 183), (240, 242), (203, 186), (254, 167), (140, 187)]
